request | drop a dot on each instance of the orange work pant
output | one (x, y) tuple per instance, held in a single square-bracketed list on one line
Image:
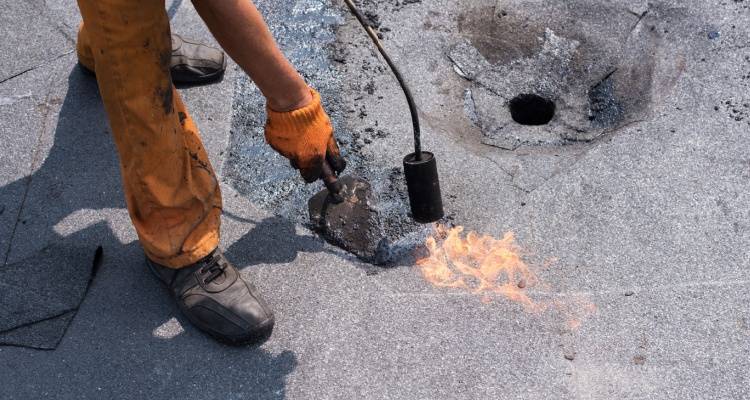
[(170, 187)]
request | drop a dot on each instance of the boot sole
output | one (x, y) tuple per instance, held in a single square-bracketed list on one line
[(204, 80), (258, 335)]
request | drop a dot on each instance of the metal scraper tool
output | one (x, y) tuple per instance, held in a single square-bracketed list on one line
[(344, 214)]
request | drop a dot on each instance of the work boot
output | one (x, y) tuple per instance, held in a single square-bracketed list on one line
[(195, 63), (215, 298), (192, 63)]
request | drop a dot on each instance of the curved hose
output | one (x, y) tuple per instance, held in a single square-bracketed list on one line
[(396, 73)]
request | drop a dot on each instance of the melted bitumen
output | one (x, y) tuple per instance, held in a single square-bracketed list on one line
[(606, 110), (353, 223)]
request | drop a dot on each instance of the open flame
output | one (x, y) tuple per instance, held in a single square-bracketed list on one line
[(486, 265), (479, 263)]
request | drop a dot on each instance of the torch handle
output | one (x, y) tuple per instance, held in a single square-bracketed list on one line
[(331, 181)]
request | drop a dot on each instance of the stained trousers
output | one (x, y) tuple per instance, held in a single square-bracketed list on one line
[(171, 190)]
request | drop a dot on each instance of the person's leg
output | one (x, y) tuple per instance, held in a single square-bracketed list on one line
[(171, 190)]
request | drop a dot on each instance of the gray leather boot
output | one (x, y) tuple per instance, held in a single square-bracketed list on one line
[(215, 298), (191, 63), (195, 63)]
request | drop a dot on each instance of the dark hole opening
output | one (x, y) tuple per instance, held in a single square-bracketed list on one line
[(531, 109)]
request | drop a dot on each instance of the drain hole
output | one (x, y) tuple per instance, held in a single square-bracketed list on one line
[(531, 109)]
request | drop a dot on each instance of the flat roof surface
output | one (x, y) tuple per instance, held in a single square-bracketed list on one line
[(647, 222)]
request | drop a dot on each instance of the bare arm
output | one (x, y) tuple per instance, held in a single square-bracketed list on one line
[(240, 30)]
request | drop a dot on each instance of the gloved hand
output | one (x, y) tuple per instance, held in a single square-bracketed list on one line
[(305, 137)]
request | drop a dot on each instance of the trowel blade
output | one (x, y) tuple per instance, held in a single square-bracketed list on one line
[(352, 224)]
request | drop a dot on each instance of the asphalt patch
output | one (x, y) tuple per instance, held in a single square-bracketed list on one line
[(605, 71), (40, 295)]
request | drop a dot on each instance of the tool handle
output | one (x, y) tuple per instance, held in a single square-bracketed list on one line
[(331, 181)]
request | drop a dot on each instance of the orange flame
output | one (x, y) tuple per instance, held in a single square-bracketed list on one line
[(485, 265), (479, 263)]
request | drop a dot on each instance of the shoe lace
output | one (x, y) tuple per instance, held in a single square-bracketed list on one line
[(213, 269)]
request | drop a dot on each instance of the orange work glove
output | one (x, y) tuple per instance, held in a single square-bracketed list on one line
[(305, 137)]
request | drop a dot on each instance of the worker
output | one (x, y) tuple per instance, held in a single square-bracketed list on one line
[(171, 189)]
